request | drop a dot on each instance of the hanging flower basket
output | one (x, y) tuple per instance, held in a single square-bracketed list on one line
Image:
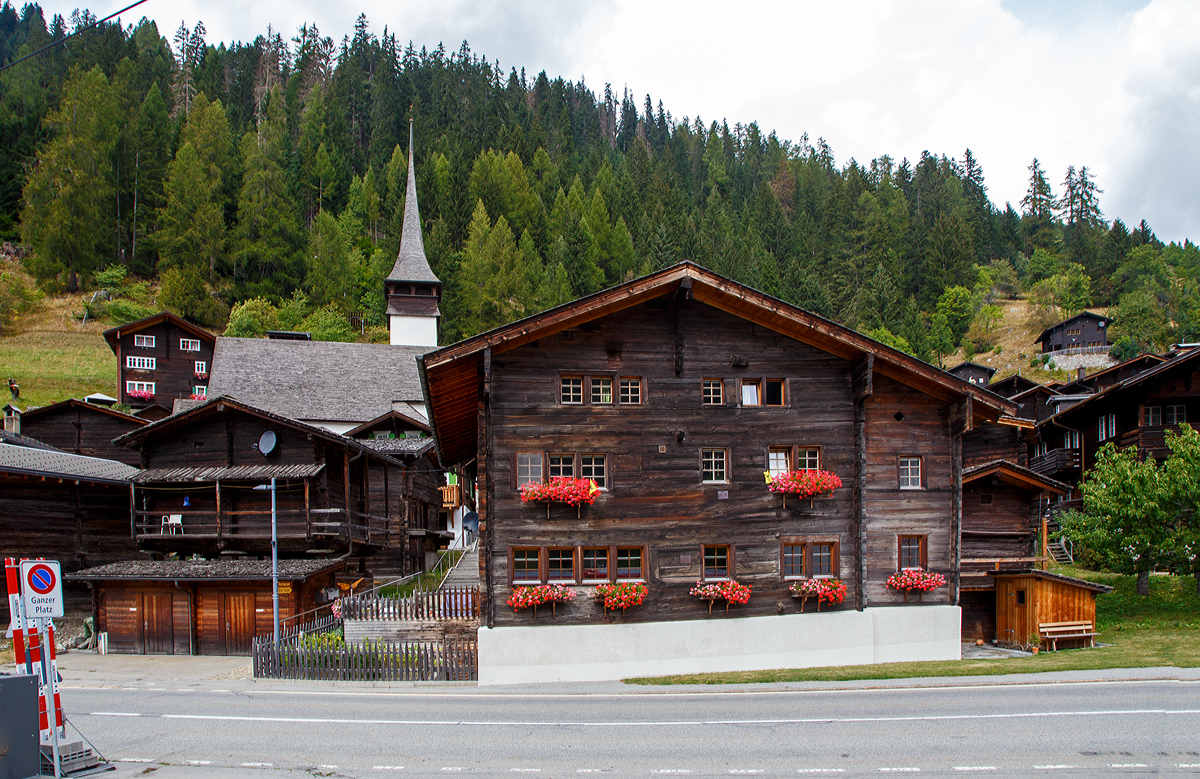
[(915, 580), (620, 595), (538, 594), (802, 484), (831, 591), (560, 489), (141, 394), (728, 591)]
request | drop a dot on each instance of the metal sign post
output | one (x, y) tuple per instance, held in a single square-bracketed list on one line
[(50, 684)]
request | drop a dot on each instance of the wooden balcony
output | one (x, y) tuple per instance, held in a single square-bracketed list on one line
[(1150, 440), (1055, 461), (451, 496), (291, 524)]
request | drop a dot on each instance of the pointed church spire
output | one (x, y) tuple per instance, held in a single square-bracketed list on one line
[(411, 264)]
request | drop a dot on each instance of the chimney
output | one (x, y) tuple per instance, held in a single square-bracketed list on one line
[(1082, 373)]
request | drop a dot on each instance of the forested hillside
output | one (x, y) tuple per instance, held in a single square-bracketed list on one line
[(273, 172)]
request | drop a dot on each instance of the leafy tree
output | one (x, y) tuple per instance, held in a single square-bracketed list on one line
[(886, 337), (1141, 318), (328, 323), (184, 291), (251, 319)]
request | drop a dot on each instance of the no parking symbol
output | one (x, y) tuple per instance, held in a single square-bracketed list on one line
[(41, 589)]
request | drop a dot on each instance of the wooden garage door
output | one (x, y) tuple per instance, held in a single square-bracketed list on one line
[(239, 622), (158, 626)]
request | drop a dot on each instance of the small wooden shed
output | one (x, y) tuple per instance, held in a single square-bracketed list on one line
[(199, 607), (1027, 599)]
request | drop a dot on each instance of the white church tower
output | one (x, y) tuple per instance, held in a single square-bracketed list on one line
[(412, 290)]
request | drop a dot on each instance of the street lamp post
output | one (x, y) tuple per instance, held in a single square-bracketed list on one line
[(274, 557)]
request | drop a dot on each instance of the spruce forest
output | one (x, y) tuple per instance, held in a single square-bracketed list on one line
[(260, 185)]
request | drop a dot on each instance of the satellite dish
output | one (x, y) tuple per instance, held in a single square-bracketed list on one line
[(266, 443)]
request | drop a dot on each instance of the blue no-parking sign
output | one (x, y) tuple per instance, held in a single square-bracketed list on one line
[(41, 589)]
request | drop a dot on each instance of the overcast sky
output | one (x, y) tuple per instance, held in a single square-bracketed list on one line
[(1110, 84)]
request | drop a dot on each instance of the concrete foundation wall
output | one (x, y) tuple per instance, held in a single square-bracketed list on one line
[(588, 653)]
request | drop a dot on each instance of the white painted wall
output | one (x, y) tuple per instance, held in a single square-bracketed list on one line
[(412, 330), (341, 428), (587, 653)]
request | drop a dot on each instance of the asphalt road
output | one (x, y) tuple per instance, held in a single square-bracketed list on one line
[(215, 728)]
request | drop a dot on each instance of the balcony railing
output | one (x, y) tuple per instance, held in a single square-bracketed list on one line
[(290, 524), (1081, 350), (1055, 461), (451, 496), (1150, 440)]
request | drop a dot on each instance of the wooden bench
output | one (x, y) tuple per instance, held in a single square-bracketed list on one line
[(1053, 631)]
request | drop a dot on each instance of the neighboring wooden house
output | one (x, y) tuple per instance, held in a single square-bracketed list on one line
[(1011, 386), (160, 358), (63, 507), (973, 373), (337, 386), (335, 496), (1082, 332), (1035, 403), (82, 428), (200, 607), (1002, 441), (675, 393), (1003, 505)]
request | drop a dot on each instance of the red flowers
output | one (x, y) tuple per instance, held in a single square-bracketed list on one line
[(536, 595), (621, 595), (141, 394), (832, 591), (560, 489), (728, 591), (916, 580), (804, 484)]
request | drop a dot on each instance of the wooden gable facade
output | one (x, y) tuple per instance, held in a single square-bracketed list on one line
[(82, 428), (160, 358), (1082, 332), (334, 495), (973, 372), (676, 392)]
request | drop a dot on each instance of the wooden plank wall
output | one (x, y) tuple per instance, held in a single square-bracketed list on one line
[(656, 497), (80, 430), (173, 374), (994, 442), (1011, 510)]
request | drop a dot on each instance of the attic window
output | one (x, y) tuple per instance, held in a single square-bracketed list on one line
[(143, 340), (189, 345)]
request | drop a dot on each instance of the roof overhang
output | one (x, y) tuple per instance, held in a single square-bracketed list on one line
[(113, 334), (1013, 475)]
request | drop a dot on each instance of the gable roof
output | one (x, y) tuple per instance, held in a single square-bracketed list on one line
[(114, 334), (16, 439), (961, 365), (91, 408), (217, 403), (1081, 315), (316, 380), (411, 264), (450, 375), (1087, 382), (1153, 374), (404, 419), (27, 461), (1016, 475), (1018, 384)]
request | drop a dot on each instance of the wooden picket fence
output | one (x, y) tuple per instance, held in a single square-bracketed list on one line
[(446, 603), (455, 660)]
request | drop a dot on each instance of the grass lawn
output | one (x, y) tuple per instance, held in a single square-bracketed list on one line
[(54, 357), (1160, 630)]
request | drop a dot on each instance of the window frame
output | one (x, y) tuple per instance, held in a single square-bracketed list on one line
[(1152, 416), (609, 568), (574, 572), (766, 384), (616, 558), (706, 384), (724, 465), (784, 545), (139, 386), (550, 466), (730, 568), (922, 551), (1177, 415), (135, 363), (787, 452), (512, 570), (743, 384), (806, 449), (200, 389), (900, 475), (602, 483), (199, 366), (563, 386), (592, 381), (185, 344), (143, 341), (806, 543), (541, 462), (634, 383)]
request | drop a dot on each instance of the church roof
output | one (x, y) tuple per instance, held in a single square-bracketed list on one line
[(411, 264)]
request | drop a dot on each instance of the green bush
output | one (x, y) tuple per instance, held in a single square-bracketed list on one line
[(328, 323), (123, 311), (18, 295)]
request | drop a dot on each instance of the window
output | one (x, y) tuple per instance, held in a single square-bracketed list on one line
[(200, 390), (793, 561), (144, 340), (713, 392), (822, 560), (201, 367), (1176, 415), (910, 473), (808, 458), (562, 465), (1153, 416), (595, 564), (601, 391), (529, 467), (716, 562), (140, 363), (751, 395), (1020, 597), (712, 465), (912, 552), (526, 565), (631, 391), (629, 563), (774, 394), (1071, 439), (779, 460), (188, 345), (139, 386), (591, 466), (1108, 427), (571, 389), (560, 565)]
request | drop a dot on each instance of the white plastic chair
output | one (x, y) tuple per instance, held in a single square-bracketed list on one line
[(170, 522)]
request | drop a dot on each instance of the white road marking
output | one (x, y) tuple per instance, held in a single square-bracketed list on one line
[(387, 768), (185, 689), (453, 768), (525, 770), (686, 723), (115, 714), (199, 762), (820, 770), (1052, 767), (903, 770), (747, 771), (258, 765), (220, 690), (1128, 765), (329, 767), (135, 760), (1188, 765), (975, 768), (671, 771)]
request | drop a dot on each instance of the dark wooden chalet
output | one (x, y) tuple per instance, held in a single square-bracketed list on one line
[(1003, 505), (675, 393), (1011, 386), (63, 507), (973, 373), (1082, 332), (1036, 403), (82, 428), (1004, 440), (335, 496), (200, 607), (160, 358)]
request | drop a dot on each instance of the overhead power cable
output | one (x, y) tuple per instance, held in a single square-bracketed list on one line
[(69, 37)]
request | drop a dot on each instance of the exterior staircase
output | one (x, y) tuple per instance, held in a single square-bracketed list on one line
[(1060, 547), (466, 572)]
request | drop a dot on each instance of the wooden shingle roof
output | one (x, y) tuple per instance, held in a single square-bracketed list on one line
[(28, 461)]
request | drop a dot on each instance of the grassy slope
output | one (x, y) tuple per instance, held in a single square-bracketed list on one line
[(1158, 631), (54, 357)]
